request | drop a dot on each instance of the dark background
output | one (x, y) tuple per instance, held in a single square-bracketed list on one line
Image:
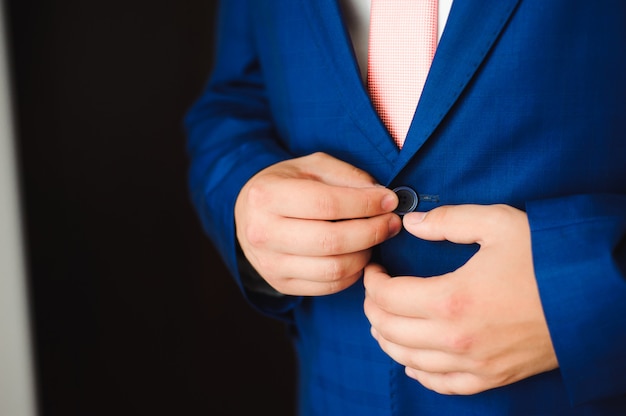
[(134, 314)]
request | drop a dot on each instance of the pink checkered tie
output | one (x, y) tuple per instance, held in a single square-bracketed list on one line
[(402, 43)]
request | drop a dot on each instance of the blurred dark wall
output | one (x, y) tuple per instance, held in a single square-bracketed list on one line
[(134, 314)]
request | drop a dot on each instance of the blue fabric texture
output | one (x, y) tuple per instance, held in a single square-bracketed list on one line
[(525, 105)]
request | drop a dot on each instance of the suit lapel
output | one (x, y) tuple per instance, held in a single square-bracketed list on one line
[(471, 30), (335, 45)]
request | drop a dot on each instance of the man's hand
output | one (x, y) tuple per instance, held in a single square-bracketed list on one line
[(307, 225), (477, 328)]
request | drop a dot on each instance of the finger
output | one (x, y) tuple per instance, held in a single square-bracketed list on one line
[(408, 296), (428, 360), (334, 273), (307, 199), (415, 333), (301, 287), (463, 224), (324, 238)]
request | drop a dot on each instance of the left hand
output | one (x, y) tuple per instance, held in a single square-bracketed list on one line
[(479, 327)]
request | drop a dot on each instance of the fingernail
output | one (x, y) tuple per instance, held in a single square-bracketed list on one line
[(414, 218), (389, 202)]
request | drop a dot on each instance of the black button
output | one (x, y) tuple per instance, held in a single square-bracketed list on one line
[(408, 200)]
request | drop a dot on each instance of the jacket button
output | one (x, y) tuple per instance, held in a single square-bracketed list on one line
[(408, 200)]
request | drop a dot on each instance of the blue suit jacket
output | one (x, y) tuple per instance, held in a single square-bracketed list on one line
[(525, 105)]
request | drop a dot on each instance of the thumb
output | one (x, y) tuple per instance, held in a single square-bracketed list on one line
[(463, 224)]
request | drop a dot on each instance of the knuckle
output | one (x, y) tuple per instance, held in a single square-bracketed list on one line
[(257, 195), (328, 207), (317, 156), (367, 208), (256, 235), (499, 213), (334, 287), (343, 269), (337, 285), (330, 243), (453, 306), (459, 343), (377, 235), (335, 270)]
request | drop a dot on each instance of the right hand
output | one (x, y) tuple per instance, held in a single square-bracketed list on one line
[(308, 225)]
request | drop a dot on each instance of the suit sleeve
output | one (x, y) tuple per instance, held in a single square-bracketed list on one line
[(579, 250), (230, 138)]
